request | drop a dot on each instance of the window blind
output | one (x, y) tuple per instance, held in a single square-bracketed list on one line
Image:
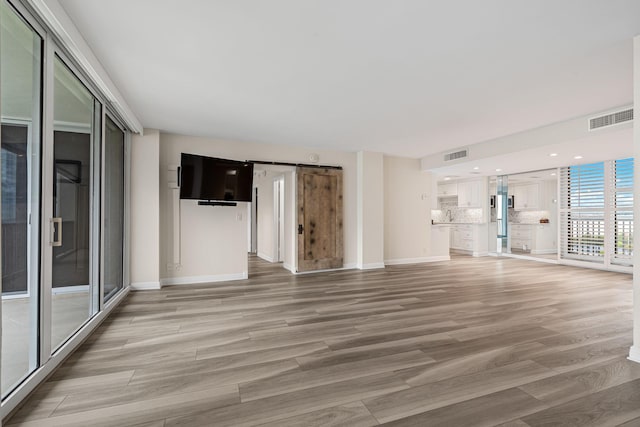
[(621, 211), (582, 212)]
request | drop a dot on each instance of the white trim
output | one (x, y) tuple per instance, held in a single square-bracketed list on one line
[(191, 280), (289, 267), (372, 266), (145, 286), (265, 256), (73, 127), (544, 251), (24, 295), (634, 354), (69, 289), (48, 366), (479, 254), (420, 260)]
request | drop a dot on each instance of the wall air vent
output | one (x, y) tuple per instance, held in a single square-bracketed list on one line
[(611, 119), (456, 155)]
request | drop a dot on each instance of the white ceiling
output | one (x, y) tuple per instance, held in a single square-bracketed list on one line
[(403, 77)]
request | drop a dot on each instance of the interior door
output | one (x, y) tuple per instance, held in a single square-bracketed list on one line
[(320, 234)]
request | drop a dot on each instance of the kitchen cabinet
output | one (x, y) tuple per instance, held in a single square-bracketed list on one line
[(446, 190), (533, 238), (521, 236), (469, 194), (526, 196), (462, 237)]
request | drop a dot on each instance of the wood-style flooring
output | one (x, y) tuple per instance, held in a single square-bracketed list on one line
[(470, 342)]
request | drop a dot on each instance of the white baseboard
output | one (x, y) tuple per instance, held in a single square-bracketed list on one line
[(479, 254), (634, 354), (265, 257), (372, 266), (420, 260), (190, 280), (543, 251), (145, 286)]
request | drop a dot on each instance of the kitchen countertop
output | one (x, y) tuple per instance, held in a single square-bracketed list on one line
[(457, 223)]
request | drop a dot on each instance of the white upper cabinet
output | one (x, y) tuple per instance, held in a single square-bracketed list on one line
[(526, 196), (447, 189), (469, 194)]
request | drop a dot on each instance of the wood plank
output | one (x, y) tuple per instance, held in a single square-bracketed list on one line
[(473, 341), (483, 411), (610, 407)]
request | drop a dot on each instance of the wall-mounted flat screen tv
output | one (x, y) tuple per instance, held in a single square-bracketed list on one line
[(210, 178)]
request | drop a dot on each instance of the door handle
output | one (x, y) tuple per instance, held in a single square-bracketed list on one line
[(300, 229), (55, 238)]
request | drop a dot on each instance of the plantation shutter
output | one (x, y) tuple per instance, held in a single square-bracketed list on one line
[(621, 211), (582, 212)]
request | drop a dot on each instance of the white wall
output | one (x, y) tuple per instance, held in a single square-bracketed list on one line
[(290, 222), (265, 215), (370, 210), (209, 222), (634, 352), (407, 211), (266, 224), (145, 210)]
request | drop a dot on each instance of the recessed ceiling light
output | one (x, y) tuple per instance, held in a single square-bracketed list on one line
[(498, 170), (446, 178), (553, 174), (553, 154), (475, 168), (577, 157)]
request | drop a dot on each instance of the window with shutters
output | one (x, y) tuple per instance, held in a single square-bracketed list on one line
[(622, 212), (596, 212)]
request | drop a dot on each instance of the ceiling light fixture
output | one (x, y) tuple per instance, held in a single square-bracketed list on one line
[(553, 174), (498, 170), (577, 157), (475, 168), (447, 178), (553, 154)]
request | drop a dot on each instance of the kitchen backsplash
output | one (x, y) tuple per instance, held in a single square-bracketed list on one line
[(523, 217), (527, 217), (450, 212)]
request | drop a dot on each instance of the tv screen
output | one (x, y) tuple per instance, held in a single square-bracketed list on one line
[(209, 178)]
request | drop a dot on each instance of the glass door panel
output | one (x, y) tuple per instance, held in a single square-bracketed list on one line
[(113, 233), (71, 223), (20, 81)]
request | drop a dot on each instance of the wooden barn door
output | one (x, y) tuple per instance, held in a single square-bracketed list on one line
[(319, 218)]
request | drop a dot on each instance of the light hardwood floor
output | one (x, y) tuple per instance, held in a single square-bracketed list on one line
[(470, 342)]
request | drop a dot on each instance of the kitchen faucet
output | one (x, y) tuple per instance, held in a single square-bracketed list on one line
[(449, 215)]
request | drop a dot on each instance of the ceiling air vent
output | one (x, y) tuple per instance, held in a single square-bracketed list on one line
[(456, 155), (611, 119)]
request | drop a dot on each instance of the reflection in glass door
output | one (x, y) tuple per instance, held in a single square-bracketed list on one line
[(21, 59), (71, 221), (113, 232)]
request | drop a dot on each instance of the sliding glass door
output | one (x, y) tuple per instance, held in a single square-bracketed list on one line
[(113, 189), (20, 80), (75, 144), (63, 169)]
